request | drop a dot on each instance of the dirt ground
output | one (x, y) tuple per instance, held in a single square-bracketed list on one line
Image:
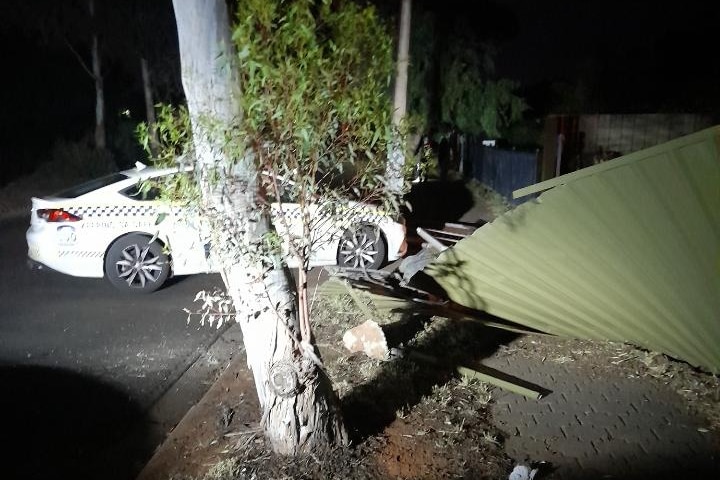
[(408, 419)]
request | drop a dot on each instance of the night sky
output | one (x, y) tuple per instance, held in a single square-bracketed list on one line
[(555, 37), (632, 56), (641, 56)]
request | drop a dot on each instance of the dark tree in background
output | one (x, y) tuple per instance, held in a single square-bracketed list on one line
[(567, 57), (150, 43), (80, 27), (82, 69), (453, 81)]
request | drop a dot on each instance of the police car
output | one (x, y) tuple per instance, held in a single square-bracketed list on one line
[(108, 228)]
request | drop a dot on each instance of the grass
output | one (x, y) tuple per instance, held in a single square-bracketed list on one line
[(484, 195)]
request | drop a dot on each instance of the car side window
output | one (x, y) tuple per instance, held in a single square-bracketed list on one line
[(90, 186), (134, 192)]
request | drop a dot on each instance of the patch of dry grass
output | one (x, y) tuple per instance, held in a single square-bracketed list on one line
[(492, 200)]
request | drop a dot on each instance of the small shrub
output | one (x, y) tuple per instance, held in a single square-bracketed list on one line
[(484, 195)]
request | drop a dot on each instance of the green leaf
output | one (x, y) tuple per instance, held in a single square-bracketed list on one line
[(160, 218)]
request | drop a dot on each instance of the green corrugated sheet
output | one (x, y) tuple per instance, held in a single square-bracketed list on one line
[(628, 250)]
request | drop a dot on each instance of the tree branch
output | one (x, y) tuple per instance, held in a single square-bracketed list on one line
[(78, 57)]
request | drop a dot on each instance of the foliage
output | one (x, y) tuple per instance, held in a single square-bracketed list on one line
[(488, 198), (172, 128), (173, 131), (316, 111), (315, 77), (452, 80), (476, 106), (422, 63), (316, 114), (217, 308)]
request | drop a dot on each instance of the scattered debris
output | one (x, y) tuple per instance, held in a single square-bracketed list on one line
[(504, 381), (367, 338), (370, 339), (225, 417), (523, 472)]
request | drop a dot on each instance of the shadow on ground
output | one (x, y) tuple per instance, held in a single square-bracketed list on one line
[(61, 425), (370, 408)]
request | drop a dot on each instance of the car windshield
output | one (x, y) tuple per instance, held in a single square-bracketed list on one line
[(89, 186)]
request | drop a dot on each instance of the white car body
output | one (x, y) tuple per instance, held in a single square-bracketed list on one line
[(83, 227)]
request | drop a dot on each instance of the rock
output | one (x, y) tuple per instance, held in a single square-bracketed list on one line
[(368, 338)]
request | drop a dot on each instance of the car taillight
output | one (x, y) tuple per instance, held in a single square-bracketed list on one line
[(56, 215)]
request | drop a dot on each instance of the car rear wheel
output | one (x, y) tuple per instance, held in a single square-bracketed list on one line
[(362, 247), (135, 264)]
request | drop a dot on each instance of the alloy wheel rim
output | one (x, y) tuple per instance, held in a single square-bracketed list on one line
[(138, 266), (358, 251)]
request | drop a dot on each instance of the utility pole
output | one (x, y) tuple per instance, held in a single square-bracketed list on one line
[(396, 160)]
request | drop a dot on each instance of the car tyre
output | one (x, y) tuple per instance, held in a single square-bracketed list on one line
[(361, 247), (135, 264)]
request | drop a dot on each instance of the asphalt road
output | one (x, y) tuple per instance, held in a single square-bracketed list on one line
[(81, 364)]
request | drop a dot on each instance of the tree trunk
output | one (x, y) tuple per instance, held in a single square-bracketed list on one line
[(394, 172), (403, 60), (100, 137), (299, 408), (149, 103)]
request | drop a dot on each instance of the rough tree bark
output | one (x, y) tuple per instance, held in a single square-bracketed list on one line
[(299, 408)]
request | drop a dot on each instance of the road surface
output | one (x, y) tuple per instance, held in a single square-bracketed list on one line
[(82, 365)]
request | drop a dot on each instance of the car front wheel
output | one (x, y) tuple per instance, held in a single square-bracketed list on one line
[(134, 264), (362, 247)]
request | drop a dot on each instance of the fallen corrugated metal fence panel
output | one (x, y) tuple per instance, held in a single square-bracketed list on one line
[(627, 250)]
